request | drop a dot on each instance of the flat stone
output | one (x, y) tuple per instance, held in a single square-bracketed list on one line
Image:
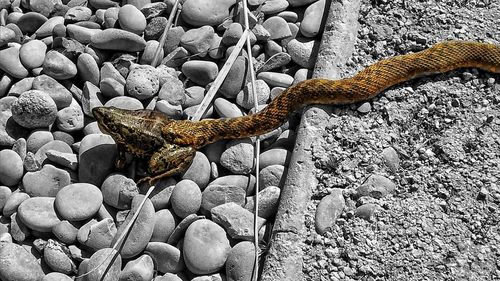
[(32, 54), (277, 27), (238, 157), (11, 64), (91, 97), (11, 168), (240, 262), (47, 182), (215, 195), (78, 14), (124, 103), (97, 156), (278, 60), (118, 40), (164, 225), (141, 231), (376, 186), (58, 66), (78, 201), (46, 28), (118, 191), (272, 7), (80, 33), (273, 175), (56, 276), (275, 79), (367, 211), (313, 16), (107, 269), (65, 232), (172, 90), (141, 268), (235, 79), (97, 235), (206, 12), (198, 40), (245, 97), (227, 109), (6, 35), (268, 202), (236, 220), (200, 72), (205, 247), (186, 198), (328, 211), (168, 258), (131, 19), (17, 264), (199, 171), (30, 22), (88, 68), (54, 255), (303, 51), (61, 96), (13, 202), (38, 213)]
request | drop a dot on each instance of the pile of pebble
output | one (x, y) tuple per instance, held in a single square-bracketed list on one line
[(62, 202)]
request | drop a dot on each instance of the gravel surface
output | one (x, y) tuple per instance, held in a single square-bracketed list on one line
[(418, 166)]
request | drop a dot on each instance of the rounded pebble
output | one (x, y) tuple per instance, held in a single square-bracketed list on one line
[(118, 191), (216, 194), (11, 63), (168, 258), (206, 12), (38, 213), (58, 66), (88, 69), (141, 231), (209, 236), (141, 268), (34, 109), (131, 19), (11, 167), (32, 54), (118, 40), (78, 201), (200, 72), (97, 156), (17, 264), (277, 27), (107, 269), (56, 276), (13, 202), (313, 16), (65, 232), (199, 171), (238, 157), (240, 262), (186, 198), (164, 225), (61, 96), (46, 182)]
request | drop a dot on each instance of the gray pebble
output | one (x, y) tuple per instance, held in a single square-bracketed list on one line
[(34, 109)]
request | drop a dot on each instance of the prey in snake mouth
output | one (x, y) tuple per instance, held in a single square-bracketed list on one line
[(169, 145), (138, 132)]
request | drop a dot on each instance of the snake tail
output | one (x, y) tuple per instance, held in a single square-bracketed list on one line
[(366, 84)]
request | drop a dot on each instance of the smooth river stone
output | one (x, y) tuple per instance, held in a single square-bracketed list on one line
[(198, 40), (206, 12), (30, 22), (107, 269), (78, 201), (236, 220), (141, 231), (141, 268), (47, 182), (46, 28), (240, 262), (205, 247), (11, 167), (118, 40), (34, 109), (313, 16), (32, 54), (198, 171), (200, 72), (80, 33), (17, 264), (38, 213), (70, 119), (88, 68), (186, 198), (131, 19), (11, 64), (164, 224), (97, 156), (168, 258), (277, 27), (6, 35), (58, 66), (61, 96)]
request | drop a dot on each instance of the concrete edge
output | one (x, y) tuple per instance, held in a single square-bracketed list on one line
[(285, 257)]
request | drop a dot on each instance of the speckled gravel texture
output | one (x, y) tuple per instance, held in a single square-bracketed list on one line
[(436, 138)]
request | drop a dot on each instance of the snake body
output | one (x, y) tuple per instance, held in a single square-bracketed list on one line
[(440, 58)]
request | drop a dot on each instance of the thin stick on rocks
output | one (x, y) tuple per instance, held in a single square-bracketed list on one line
[(156, 58)]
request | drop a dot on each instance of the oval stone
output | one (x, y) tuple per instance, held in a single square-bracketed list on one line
[(78, 201), (11, 167), (58, 66), (118, 40), (38, 213), (17, 264), (34, 109)]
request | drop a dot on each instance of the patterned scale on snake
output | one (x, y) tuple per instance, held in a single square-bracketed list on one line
[(169, 145)]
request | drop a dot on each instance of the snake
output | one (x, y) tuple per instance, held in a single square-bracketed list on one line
[(170, 145)]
